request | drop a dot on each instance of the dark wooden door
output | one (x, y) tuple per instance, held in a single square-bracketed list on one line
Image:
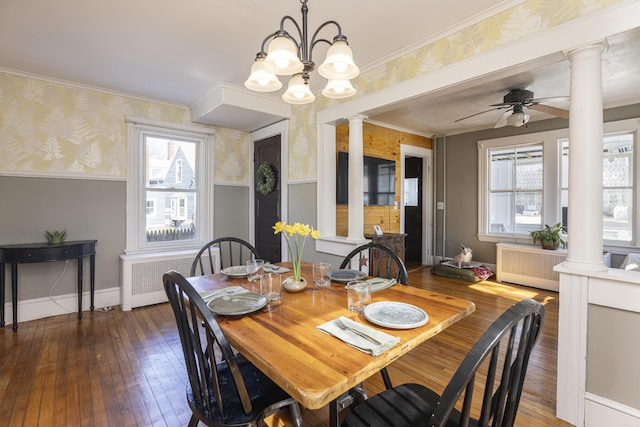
[(267, 206), (413, 210)]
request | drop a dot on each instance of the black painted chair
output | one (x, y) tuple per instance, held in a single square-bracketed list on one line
[(499, 359), (224, 388), (233, 251), (380, 261), (386, 264)]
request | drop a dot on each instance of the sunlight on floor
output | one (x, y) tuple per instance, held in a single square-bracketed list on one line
[(504, 290)]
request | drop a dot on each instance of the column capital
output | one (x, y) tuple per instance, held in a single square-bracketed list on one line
[(357, 118)]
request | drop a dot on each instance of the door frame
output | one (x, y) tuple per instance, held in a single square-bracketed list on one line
[(281, 128), (426, 155)]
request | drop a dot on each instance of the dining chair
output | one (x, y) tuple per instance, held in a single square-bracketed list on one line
[(232, 251), (381, 261), (224, 388), (500, 357)]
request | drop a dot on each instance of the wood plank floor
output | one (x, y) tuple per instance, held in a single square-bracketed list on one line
[(125, 368)]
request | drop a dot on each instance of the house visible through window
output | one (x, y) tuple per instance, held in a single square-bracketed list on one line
[(169, 195)]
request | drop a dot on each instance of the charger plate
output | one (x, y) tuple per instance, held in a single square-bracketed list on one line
[(396, 315), (235, 271), (238, 304), (346, 275)]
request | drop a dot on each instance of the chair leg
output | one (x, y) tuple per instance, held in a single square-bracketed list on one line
[(386, 378), (193, 422), (296, 415)]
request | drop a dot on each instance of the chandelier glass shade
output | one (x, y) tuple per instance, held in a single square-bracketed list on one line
[(287, 56), (517, 119)]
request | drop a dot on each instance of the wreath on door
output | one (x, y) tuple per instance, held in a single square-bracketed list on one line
[(265, 178)]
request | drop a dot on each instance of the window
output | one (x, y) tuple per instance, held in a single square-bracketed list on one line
[(618, 199), (167, 182), (515, 189), (524, 184)]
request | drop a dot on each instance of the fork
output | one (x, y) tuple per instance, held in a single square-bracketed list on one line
[(344, 327)]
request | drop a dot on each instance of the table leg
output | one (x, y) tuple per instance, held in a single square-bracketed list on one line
[(2, 294), (14, 295), (92, 263), (80, 262)]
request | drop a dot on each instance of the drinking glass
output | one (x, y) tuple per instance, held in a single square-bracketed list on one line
[(321, 274), (358, 295), (255, 268), (270, 284)]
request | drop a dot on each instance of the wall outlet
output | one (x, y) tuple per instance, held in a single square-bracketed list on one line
[(440, 206)]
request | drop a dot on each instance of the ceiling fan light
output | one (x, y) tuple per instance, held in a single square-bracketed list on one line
[(298, 91), (338, 89), (339, 64), (260, 80), (282, 57), (517, 119)]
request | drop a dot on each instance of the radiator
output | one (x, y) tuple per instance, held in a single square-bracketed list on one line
[(528, 265), (141, 276)]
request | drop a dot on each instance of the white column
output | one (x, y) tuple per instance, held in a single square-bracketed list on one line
[(356, 187), (585, 160)]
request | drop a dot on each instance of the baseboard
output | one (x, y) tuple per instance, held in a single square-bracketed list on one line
[(600, 411), (39, 308)]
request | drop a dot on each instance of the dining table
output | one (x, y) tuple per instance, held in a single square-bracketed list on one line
[(315, 368)]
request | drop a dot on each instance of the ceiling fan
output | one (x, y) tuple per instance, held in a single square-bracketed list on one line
[(516, 101)]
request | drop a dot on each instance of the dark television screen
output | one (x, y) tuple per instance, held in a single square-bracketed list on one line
[(379, 180)]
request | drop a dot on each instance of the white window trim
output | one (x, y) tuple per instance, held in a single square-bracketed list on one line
[(551, 180), (136, 208)]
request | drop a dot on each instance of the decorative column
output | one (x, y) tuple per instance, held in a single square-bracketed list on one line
[(584, 220), (584, 253), (356, 187)]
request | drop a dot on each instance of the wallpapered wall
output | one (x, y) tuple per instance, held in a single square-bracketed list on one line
[(56, 128), (529, 18), (50, 127)]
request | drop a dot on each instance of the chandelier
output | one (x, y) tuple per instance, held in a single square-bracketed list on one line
[(286, 55)]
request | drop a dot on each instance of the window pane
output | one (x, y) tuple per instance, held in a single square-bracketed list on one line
[(501, 213), (617, 213), (502, 164), (617, 160), (529, 168), (170, 171), (528, 209), (411, 192)]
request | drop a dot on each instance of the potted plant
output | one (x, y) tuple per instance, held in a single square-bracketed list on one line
[(549, 237)]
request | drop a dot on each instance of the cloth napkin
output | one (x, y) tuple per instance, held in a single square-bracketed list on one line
[(378, 283), (356, 341), (211, 295), (270, 268)]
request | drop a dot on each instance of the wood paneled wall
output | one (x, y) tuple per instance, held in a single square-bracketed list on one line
[(383, 143)]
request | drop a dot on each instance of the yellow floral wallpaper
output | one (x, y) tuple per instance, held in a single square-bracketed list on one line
[(531, 17), (55, 128)]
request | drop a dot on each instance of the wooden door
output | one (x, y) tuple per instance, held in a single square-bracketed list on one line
[(413, 210), (267, 206)]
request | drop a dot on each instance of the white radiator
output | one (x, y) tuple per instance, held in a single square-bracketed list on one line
[(141, 276), (528, 265)]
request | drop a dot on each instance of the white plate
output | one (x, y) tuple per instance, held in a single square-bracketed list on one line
[(346, 275), (235, 271), (396, 315), (234, 305)]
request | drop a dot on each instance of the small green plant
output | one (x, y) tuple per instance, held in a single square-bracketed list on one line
[(56, 237), (550, 237)]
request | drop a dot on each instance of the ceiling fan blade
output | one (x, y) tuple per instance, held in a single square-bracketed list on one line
[(502, 122), (551, 99), (554, 111), (481, 112)]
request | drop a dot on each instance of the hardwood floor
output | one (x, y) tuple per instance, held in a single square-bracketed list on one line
[(125, 368)]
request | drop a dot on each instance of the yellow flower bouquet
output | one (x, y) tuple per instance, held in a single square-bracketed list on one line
[(295, 235)]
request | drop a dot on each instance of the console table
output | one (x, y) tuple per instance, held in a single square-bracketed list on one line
[(43, 252)]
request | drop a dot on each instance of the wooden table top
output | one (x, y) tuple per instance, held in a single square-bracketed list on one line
[(313, 367)]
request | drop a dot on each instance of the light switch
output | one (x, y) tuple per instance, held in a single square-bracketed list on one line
[(440, 205)]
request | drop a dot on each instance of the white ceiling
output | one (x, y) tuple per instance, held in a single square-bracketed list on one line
[(199, 52)]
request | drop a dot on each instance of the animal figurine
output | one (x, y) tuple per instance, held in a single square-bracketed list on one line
[(464, 257)]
